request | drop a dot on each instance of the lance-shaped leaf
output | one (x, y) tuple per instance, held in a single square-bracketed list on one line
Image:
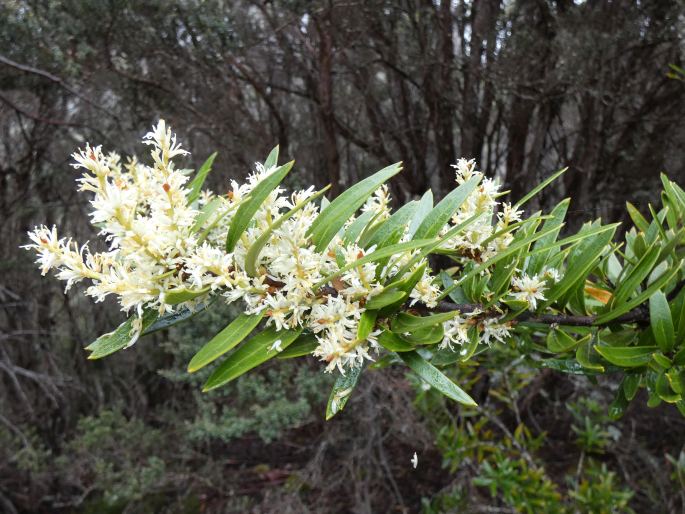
[(252, 257), (581, 265), (655, 286), (225, 340), (427, 335), (303, 345), (342, 390), (391, 231), (376, 256), (627, 356), (394, 343), (197, 182), (122, 337), (183, 294), (432, 376), (424, 208), (366, 324), (251, 354), (387, 297), (249, 207), (559, 341), (441, 214), (357, 226), (635, 276), (205, 213), (661, 321), (586, 358), (405, 322), (172, 318), (272, 159), (539, 188), (537, 261), (333, 217)]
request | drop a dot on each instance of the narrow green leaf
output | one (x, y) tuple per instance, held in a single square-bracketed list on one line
[(252, 257), (634, 278), (205, 213), (580, 266), (661, 321), (585, 357), (630, 385), (357, 226), (197, 182), (432, 376), (639, 299), (393, 228), (332, 218), (303, 345), (559, 341), (123, 336), (405, 322), (272, 160), (638, 219), (556, 220), (387, 297), (626, 356), (225, 340), (424, 208), (182, 294), (441, 214), (427, 335), (366, 324), (342, 390), (172, 318), (539, 188), (249, 207), (388, 251), (251, 354), (394, 343)]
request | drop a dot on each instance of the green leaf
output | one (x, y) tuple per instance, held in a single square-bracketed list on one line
[(427, 335), (183, 294), (556, 220), (539, 188), (569, 366), (638, 219), (366, 324), (432, 376), (249, 355), (357, 226), (634, 278), (391, 231), (661, 321), (639, 299), (405, 322), (250, 205), (172, 318), (332, 218), (585, 357), (618, 406), (559, 341), (342, 390), (441, 214), (252, 256), (272, 159), (394, 343), (630, 385), (424, 208), (225, 340), (385, 298), (303, 345), (197, 182), (205, 213), (388, 251), (123, 336), (626, 356), (663, 389), (580, 266)]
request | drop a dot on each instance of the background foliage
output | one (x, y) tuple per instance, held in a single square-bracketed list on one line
[(523, 87)]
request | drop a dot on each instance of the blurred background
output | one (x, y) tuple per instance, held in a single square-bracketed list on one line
[(345, 88)]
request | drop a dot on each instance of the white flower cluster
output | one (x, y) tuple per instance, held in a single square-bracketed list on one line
[(479, 241), (159, 241)]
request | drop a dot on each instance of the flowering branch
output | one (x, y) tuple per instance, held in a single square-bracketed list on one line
[(348, 279)]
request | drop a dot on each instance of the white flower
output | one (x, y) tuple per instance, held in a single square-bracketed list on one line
[(529, 289)]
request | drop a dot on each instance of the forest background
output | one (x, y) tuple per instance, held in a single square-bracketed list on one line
[(344, 87)]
